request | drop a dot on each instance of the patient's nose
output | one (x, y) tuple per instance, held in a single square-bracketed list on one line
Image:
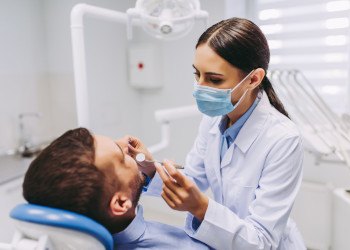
[(123, 142)]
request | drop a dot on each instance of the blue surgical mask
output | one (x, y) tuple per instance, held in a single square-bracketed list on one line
[(214, 101)]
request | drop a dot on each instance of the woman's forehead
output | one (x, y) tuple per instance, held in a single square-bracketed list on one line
[(206, 59)]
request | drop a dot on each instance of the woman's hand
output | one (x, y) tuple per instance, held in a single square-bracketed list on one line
[(180, 193), (135, 146)]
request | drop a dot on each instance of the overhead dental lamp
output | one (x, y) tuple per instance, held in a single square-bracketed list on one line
[(166, 19)]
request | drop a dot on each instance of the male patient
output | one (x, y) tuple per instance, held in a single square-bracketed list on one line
[(95, 176)]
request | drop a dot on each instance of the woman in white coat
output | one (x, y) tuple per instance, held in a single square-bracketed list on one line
[(248, 151)]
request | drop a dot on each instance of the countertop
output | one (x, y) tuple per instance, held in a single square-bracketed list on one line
[(13, 167)]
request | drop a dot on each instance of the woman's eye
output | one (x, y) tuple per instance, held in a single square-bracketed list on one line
[(215, 81), (196, 75)]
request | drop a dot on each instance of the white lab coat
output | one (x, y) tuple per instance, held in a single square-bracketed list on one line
[(254, 186)]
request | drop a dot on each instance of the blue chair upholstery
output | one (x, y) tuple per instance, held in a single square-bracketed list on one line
[(64, 219)]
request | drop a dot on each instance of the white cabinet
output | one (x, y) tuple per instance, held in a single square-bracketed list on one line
[(10, 196), (12, 170), (312, 213), (341, 219)]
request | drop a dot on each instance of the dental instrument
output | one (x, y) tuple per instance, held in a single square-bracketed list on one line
[(141, 160)]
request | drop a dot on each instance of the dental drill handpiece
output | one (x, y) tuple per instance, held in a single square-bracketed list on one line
[(141, 159)]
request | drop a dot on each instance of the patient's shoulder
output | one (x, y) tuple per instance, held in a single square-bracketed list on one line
[(166, 236)]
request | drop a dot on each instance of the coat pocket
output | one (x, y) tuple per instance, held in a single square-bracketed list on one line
[(239, 198)]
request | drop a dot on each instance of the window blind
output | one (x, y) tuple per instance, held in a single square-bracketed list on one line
[(312, 36)]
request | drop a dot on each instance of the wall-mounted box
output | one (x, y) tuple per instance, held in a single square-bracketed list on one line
[(145, 71)]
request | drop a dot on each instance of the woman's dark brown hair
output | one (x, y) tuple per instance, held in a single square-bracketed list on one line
[(241, 43)]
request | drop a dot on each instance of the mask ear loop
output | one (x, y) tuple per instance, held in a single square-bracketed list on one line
[(245, 78), (245, 92), (242, 98)]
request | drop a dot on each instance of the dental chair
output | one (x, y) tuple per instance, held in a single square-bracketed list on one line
[(45, 228)]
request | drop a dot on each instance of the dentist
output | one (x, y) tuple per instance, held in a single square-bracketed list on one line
[(248, 151)]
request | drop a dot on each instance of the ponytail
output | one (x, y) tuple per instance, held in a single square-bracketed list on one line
[(273, 98)]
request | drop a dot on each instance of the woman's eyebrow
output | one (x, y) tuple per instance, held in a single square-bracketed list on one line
[(213, 73), (122, 151), (208, 73)]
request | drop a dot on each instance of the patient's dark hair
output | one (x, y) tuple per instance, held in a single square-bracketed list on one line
[(64, 176)]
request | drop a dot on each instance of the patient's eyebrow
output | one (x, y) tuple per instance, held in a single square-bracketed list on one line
[(122, 151)]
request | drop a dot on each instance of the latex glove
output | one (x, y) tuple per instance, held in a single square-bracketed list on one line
[(136, 146), (180, 193)]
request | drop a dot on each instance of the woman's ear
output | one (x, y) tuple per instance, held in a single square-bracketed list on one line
[(120, 204), (256, 78)]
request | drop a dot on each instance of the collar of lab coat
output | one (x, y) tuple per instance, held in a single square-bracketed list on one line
[(252, 127)]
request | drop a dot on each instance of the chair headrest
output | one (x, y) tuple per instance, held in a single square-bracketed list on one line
[(62, 218)]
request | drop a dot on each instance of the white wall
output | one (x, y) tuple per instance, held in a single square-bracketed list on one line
[(237, 8), (114, 105), (23, 81), (36, 74)]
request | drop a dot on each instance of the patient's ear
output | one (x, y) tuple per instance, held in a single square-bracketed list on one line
[(120, 204)]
